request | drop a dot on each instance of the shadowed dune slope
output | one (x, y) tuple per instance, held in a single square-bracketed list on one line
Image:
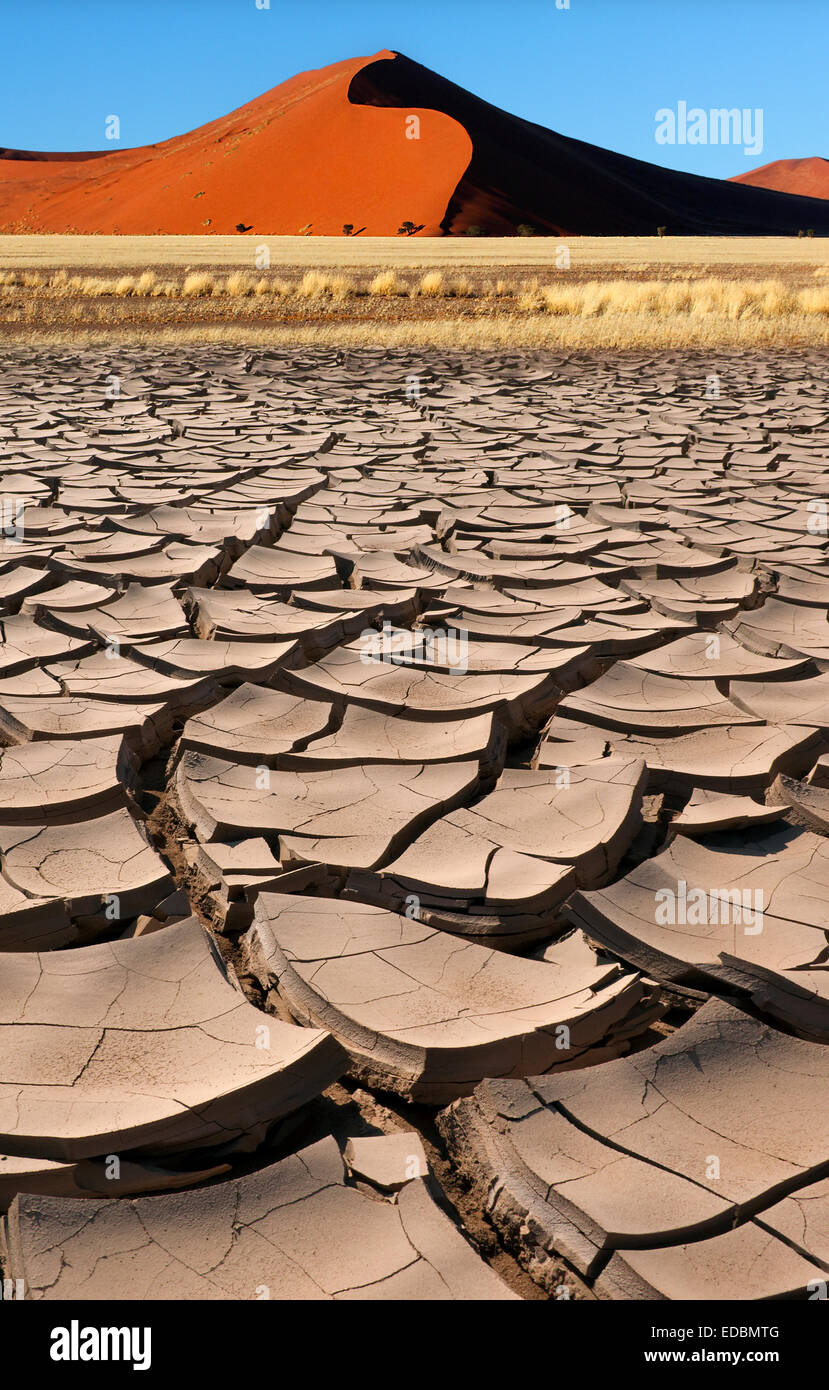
[(520, 172)]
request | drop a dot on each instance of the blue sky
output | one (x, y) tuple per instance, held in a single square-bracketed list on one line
[(599, 70)]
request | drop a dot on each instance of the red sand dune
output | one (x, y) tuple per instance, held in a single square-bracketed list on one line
[(330, 147), (302, 153), (808, 177)]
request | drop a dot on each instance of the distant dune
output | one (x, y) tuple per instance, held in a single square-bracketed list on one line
[(807, 177), (334, 146)]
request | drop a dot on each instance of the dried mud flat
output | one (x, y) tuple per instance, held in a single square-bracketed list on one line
[(414, 825)]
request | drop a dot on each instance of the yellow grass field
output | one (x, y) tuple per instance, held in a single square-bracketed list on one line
[(508, 333), (487, 253), (639, 292)]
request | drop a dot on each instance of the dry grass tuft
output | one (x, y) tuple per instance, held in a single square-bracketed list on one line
[(432, 285), (729, 301), (315, 285), (386, 283), (814, 301), (197, 284), (240, 285)]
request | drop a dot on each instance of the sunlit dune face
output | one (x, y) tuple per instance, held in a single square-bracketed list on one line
[(303, 157)]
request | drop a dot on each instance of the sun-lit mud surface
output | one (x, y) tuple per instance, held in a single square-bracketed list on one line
[(414, 800)]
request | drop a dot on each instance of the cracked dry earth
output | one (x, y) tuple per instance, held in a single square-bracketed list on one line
[(414, 826)]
